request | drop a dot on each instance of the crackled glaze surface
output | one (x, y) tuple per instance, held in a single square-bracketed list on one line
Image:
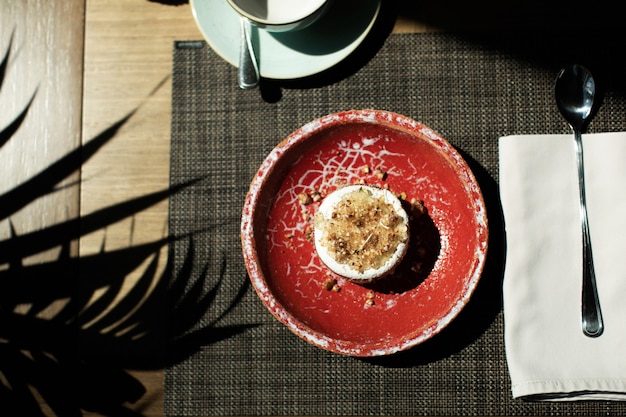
[(441, 270)]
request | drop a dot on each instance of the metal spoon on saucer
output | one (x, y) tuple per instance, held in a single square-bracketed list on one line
[(261, 14), (248, 75), (575, 91)]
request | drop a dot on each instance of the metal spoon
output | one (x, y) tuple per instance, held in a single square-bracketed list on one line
[(575, 91), (248, 75)]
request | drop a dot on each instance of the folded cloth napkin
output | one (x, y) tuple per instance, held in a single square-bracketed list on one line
[(548, 356)]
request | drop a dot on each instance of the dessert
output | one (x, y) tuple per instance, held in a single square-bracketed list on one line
[(361, 232)]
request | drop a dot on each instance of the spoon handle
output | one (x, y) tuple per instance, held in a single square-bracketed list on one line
[(592, 323), (248, 75)]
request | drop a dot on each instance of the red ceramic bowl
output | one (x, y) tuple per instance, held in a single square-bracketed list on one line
[(448, 243)]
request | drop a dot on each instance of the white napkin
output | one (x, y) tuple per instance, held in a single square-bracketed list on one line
[(548, 356)]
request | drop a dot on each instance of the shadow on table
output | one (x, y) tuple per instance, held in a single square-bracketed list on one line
[(70, 329), (545, 34), (170, 2)]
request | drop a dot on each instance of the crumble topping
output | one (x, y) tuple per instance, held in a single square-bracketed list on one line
[(362, 231)]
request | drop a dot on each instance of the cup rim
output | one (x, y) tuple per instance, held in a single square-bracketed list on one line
[(265, 22)]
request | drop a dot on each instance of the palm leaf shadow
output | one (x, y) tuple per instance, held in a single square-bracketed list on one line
[(46, 181), (77, 359), (11, 128), (6, 58)]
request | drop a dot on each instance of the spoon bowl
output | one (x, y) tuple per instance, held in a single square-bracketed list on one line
[(575, 91)]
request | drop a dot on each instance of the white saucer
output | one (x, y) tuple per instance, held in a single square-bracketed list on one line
[(290, 55)]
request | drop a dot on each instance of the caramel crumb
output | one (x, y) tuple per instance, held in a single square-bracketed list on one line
[(365, 169), (380, 174), (309, 233), (417, 207), (304, 199), (316, 196), (329, 283)]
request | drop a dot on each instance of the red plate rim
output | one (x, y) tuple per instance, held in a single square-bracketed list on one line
[(249, 235)]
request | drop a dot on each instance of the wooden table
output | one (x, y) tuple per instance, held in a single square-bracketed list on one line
[(88, 64)]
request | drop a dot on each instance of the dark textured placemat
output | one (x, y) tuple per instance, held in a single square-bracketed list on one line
[(244, 362)]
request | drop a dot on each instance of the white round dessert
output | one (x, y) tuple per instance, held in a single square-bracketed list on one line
[(361, 232)]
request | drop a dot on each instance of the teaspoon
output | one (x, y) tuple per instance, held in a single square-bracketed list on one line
[(248, 75), (575, 91)]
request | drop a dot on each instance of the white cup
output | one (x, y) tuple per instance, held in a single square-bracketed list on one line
[(280, 15)]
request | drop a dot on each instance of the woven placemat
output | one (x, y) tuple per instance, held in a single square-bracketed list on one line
[(244, 362)]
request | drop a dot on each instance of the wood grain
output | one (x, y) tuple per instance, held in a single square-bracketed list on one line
[(43, 82), (45, 64), (128, 62)]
